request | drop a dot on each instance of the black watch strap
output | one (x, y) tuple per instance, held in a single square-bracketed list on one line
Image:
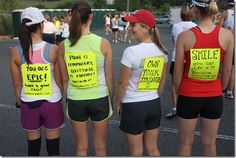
[(17, 105)]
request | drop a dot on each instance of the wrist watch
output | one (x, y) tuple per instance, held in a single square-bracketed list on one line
[(17, 105)]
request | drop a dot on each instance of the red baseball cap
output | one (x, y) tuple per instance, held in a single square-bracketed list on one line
[(143, 16)]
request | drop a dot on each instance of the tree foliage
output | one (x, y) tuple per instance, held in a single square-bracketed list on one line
[(67, 4), (100, 4), (8, 5)]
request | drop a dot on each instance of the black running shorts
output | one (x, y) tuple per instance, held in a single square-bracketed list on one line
[(206, 107), (139, 116), (81, 110)]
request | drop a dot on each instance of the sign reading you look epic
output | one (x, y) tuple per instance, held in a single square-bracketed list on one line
[(82, 69), (37, 80), (151, 74), (204, 63)]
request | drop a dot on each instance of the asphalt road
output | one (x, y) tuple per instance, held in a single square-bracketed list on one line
[(13, 140)]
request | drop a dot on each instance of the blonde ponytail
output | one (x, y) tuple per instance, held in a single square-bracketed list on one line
[(213, 8), (156, 38)]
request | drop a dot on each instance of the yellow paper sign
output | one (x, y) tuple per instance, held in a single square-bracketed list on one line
[(37, 80), (82, 69), (151, 74), (204, 63)]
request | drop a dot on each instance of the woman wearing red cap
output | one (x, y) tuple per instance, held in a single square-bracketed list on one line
[(198, 83), (142, 78)]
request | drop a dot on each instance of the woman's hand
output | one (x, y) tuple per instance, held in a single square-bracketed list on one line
[(118, 108)]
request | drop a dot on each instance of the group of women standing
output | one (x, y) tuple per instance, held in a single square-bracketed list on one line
[(80, 69)]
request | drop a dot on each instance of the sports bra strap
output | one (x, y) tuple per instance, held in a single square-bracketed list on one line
[(47, 52), (21, 54)]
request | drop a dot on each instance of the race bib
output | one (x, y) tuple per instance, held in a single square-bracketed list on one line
[(82, 69), (37, 80), (151, 74), (204, 63)]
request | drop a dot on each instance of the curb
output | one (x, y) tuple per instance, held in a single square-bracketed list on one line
[(5, 37)]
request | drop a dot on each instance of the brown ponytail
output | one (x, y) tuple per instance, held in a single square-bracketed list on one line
[(80, 16), (25, 38)]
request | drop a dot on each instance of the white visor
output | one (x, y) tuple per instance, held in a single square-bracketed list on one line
[(200, 3)]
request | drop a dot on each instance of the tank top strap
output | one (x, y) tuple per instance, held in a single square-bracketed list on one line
[(216, 31), (212, 36), (196, 30), (20, 50), (46, 52)]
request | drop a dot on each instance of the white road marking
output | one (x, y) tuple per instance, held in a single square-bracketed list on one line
[(173, 130), (164, 129)]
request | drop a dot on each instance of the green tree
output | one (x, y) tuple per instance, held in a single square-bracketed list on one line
[(67, 4), (8, 5), (121, 5), (165, 7), (100, 4)]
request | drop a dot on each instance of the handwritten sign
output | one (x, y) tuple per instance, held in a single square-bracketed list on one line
[(82, 69), (204, 63), (37, 80), (151, 74)]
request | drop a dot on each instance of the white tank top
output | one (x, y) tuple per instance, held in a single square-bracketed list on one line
[(40, 55)]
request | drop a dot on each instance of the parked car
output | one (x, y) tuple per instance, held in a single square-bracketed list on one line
[(164, 19)]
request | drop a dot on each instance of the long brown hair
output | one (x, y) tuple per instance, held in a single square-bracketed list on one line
[(26, 39), (80, 16)]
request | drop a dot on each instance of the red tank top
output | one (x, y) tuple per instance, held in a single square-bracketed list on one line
[(202, 88)]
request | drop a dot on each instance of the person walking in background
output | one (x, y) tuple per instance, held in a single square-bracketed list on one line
[(37, 84), (127, 32), (86, 67), (229, 24), (114, 28), (68, 16), (107, 23), (198, 83), (121, 28), (221, 15), (57, 25), (49, 31), (143, 74), (65, 28), (186, 15)]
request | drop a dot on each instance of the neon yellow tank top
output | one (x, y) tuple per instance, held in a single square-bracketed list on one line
[(85, 66)]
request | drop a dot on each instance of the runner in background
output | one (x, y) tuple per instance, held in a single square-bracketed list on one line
[(186, 15), (37, 84), (107, 23), (229, 24), (221, 16), (114, 28), (57, 25), (86, 67), (69, 16), (127, 32), (49, 31), (65, 28), (121, 28), (198, 82), (142, 78)]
